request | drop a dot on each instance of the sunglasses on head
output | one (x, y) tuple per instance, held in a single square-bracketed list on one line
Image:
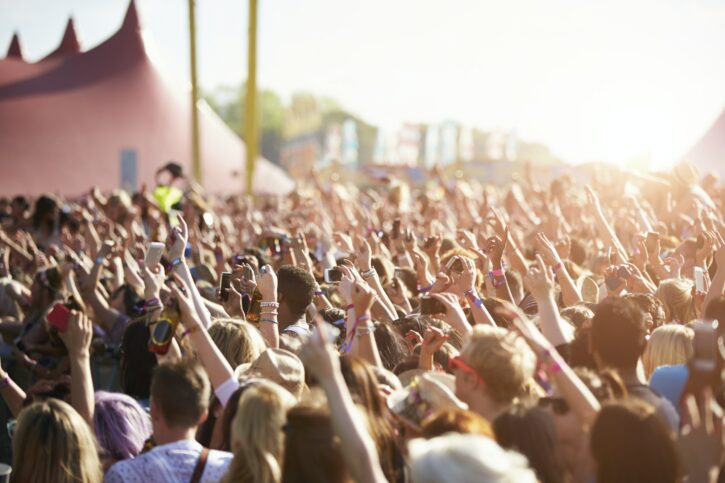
[(458, 363), (558, 404)]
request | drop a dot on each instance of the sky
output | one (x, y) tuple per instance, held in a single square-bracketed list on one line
[(593, 80)]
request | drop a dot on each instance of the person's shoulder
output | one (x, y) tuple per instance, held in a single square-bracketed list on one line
[(121, 471), (220, 456)]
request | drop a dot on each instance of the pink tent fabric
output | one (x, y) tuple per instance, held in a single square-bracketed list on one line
[(65, 120), (709, 153)]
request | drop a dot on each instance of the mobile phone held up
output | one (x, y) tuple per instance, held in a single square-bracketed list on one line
[(58, 317), (333, 275), (705, 350), (699, 277), (154, 254), (224, 284), (395, 234)]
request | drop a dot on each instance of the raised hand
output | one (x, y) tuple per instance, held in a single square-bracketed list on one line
[(538, 280), (546, 250), (178, 239), (267, 283), (495, 247), (363, 298), (78, 336)]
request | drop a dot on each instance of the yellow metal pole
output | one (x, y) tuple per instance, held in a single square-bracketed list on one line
[(195, 151), (251, 121)]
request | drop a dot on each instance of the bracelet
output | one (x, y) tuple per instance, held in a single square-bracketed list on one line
[(339, 322), (153, 302), (176, 261), (5, 382), (369, 273), (271, 321), (424, 289), (268, 312), (499, 272), (320, 293), (473, 297), (349, 307), (363, 318), (269, 304), (188, 331), (364, 330)]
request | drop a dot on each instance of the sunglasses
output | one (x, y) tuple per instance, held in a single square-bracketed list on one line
[(558, 405), (458, 363)]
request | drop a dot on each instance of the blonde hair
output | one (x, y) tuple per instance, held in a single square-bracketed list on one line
[(676, 295), (502, 359), (239, 341), (53, 444), (668, 345), (257, 438)]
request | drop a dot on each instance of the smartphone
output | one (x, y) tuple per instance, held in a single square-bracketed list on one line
[(705, 351), (224, 284), (274, 244), (651, 241), (247, 272), (58, 317), (333, 275), (154, 254), (431, 306), (623, 272), (398, 273), (396, 229), (455, 264), (174, 218), (699, 277)]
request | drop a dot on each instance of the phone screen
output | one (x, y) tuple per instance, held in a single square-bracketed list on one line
[(699, 277), (396, 229), (59, 317), (704, 347), (154, 254), (226, 282), (333, 275)]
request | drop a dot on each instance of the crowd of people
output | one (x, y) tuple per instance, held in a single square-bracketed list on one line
[(456, 331)]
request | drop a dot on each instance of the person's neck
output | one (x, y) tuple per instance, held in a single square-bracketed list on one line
[(630, 376), (486, 407), (171, 435), (286, 319)]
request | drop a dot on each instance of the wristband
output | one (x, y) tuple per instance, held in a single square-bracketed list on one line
[(176, 261), (369, 273), (5, 382), (499, 272), (189, 331), (99, 260), (271, 321), (349, 307), (363, 318), (152, 302), (473, 297), (269, 304), (364, 330), (424, 289), (339, 322), (557, 266), (320, 293)]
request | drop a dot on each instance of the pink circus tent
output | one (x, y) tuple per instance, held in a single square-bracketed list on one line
[(67, 121)]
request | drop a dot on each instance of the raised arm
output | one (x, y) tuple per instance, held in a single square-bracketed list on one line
[(538, 282), (77, 339), (358, 447)]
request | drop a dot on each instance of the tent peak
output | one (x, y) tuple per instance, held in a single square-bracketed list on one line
[(130, 21), (14, 50), (69, 43)]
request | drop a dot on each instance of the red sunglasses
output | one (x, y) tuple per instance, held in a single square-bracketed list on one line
[(458, 363)]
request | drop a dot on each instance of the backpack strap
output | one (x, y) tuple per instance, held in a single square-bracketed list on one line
[(200, 464)]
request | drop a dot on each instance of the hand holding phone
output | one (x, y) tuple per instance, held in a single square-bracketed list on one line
[(224, 284), (333, 275), (431, 306)]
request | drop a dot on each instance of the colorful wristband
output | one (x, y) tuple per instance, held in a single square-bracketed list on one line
[(176, 261)]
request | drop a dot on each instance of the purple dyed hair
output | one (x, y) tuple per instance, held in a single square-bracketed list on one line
[(121, 425)]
